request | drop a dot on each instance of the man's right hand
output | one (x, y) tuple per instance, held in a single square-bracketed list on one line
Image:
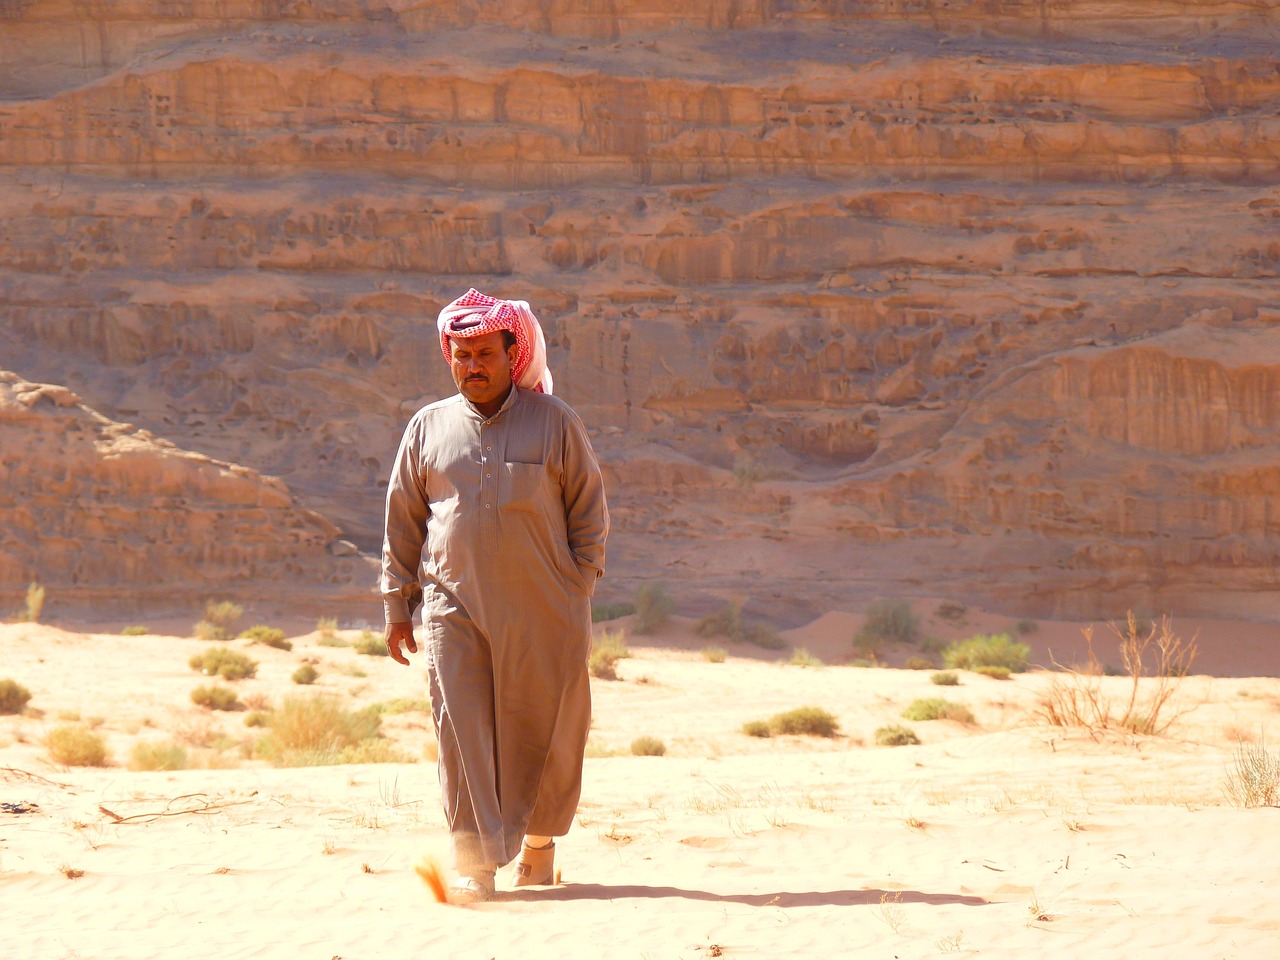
[(401, 634)]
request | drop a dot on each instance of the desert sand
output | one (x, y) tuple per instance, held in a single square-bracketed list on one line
[(1002, 838)]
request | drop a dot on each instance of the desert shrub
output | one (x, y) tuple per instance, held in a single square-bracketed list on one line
[(993, 671), (648, 747), (337, 641), (714, 654), (801, 657), (1076, 699), (607, 648), (219, 620), (34, 604), (157, 755), (267, 636), (215, 697), (919, 663), (76, 746), (1026, 626), (371, 645), (887, 621), (936, 708), (305, 675), (808, 721), (730, 622), (653, 608), (1254, 779), (896, 736), (996, 650), (757, 728), (402, 705), (945, 678), (603, 664), (136, 631), (327, 628), (224, 663), (13, 696), (316, 731), (258, 718), (601, 612)]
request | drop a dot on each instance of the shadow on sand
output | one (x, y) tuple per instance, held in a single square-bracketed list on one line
[(783, 898)]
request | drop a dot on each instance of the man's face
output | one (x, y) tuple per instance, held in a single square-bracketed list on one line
[(482, 369)]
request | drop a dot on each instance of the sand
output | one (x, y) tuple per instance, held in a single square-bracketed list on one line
[(1007, 837)]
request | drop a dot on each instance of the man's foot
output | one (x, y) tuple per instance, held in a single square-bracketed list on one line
[(475, 887), (536, 866)]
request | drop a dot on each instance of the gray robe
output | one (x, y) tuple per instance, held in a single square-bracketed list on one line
[(512, 512)]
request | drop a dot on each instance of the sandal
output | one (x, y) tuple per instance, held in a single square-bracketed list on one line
[(476, 888), (535, 866)]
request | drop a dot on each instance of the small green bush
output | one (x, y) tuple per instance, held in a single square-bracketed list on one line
[(607, 648), (602, 663), (371, 645), (936, 708), (13, 696), (945, 678), (801, 657), (157, 755), (995, 673), (327, 627), (806, 721), (648, 747), (215, 697), (653, 608), (267, 636), (919, 663), (76, 746), (887, 621), (224, 663), (258, 718), (730, 622), (601, 612), (336, 641), (317, 731), (996, 650), (136, 631), (305, 675), (896, 736), (811, 721), (402, 705), (35, 603), (715, 654), (219, 620)]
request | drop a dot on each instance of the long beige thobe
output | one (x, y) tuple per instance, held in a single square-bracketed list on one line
[(512, 512)]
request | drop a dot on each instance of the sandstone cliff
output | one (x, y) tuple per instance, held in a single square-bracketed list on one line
[(860, 298)]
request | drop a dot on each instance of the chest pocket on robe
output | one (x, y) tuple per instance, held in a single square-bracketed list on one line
[(523, 486)]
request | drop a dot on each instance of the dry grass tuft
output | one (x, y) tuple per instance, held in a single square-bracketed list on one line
[(1254, 780), (1156, 655), (13, 696), (76, 746)]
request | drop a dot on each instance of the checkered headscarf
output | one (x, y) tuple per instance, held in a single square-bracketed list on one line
[(473, 314)]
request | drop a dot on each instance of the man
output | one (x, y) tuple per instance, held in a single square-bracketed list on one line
[(501, 484)]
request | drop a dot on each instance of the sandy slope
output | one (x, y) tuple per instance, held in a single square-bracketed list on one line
[(1003, 839)]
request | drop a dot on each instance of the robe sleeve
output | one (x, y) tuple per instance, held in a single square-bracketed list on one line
[(586, 513), (406, 530)]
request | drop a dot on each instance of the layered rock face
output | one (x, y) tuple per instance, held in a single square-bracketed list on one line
[(104, 512), (860, 299)]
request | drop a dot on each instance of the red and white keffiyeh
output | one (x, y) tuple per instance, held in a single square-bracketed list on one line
[(473, 314)]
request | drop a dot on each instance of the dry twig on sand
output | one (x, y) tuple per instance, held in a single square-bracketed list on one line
[(198, 807)]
